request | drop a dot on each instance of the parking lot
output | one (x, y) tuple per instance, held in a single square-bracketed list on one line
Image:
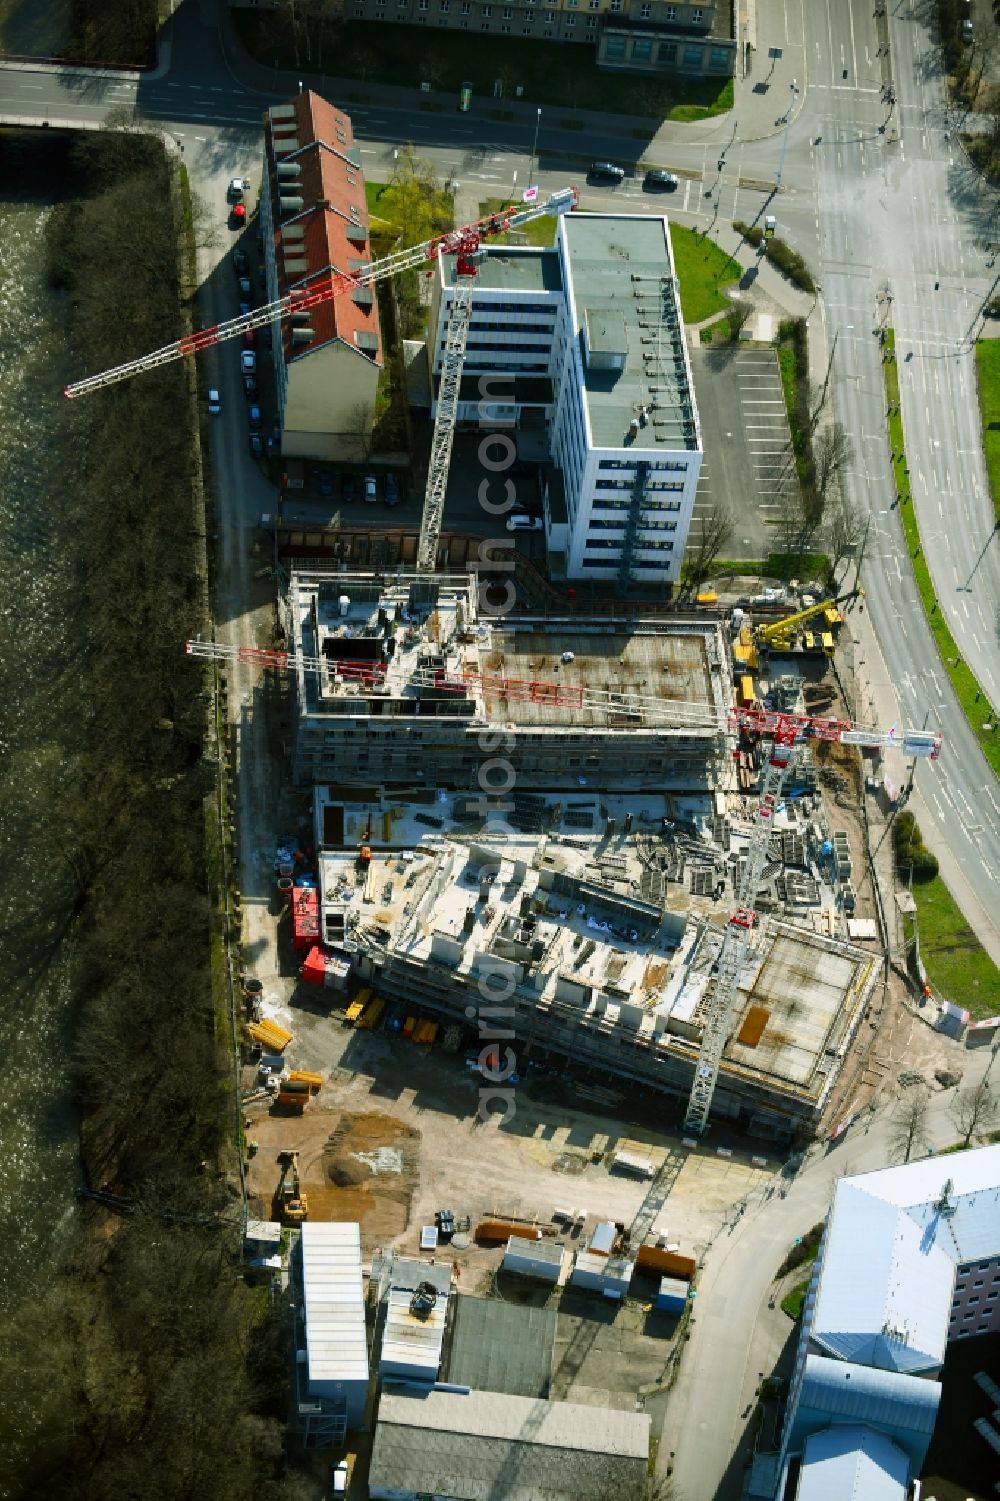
[(745, 431)]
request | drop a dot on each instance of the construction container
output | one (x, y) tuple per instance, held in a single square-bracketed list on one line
[(492, 1232), (539, 1259), (672, 1295), (305, 918), (610, 1275), (602, 1239), (631, 1162), (665, 1263)]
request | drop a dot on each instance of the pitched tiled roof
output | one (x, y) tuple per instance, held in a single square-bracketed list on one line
[(320, 217)]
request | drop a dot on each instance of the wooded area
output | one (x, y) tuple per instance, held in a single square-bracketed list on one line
[(145, 1367)]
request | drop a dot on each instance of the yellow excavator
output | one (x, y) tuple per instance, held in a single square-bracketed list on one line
[(290, 1204), (753, 641)]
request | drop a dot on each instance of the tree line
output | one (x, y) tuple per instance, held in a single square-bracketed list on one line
[(145, 1366)]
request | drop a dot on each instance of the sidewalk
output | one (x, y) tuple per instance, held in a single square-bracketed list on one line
[(754, 111)]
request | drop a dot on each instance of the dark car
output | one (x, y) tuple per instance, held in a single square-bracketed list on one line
[(348, 488), (255, 418), (240, 262), (249, 338), (392, 495), (657, 178), (256, 446), (324, 483), (606, 171), (249, 385)]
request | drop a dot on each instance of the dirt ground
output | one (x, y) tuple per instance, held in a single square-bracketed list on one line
[(420, 1111), (352, 1167)]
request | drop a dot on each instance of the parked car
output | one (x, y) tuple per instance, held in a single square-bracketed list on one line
[(324, 483), (248, 362), (348, 488), (339, 1477), (249, 338), (214, 402), (245, 287), (249, 385), (237, 187), (967, 33), (520, 522), (371, 489), (256, 418), (392, 495), (256, 446), (237, 216), (606, 171), (657, 178), (240, 262)]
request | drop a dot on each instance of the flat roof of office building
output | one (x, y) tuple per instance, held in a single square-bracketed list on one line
[(505, 268), (621, 284)]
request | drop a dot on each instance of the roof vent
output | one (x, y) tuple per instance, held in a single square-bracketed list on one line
[(288, 169), (291, 205), (303, 334)]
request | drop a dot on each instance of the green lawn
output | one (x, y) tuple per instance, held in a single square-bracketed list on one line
[(550, 73), (702, 270), (958, 966), (792, 1302), (975, 704), (988, 381), (540, 231)]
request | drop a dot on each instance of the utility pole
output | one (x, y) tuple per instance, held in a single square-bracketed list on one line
[(794, 89), (534, 149)]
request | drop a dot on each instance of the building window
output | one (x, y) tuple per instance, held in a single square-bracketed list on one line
[(505, 29), (591, 22), (573, 3), (693, 56), (594, 4), (549, 19), (614, 49), (671, 13), (645, 11), (570, 22), (466, 8), (487, 11), (445, 7), (667, 52), (614, 6), (507, 12), (696, 16), (642, 50), (720, 58), (423, 4)]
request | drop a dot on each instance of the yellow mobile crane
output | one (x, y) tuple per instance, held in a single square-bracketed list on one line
[(782, 635)]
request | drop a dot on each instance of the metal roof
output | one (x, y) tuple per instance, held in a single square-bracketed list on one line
[(412, 1342), (333, 1293), (965, 1221), (884, 1291), (885, 1399), (839, 1464), (502, 1347), (481, 1445), (545, 1252)]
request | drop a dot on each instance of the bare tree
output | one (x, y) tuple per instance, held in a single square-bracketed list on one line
[(359, 424), (738, 317), (908, 1128), (974, 1109), (833, 451), (716, 529), (845, 532)]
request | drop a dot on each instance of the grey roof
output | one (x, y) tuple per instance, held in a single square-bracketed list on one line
[(550, 1252), (503, 269), (502, 1347), (479, 1446), (840, 1393), (841, 1463), (407, 1273), (620, 281)]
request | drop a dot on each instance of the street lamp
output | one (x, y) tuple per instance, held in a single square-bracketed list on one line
[(794, 89), (534, 149)]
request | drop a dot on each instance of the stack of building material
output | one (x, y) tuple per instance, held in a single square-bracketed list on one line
[(666, 1263), (305, 918), (322, 968), (273, 1038)]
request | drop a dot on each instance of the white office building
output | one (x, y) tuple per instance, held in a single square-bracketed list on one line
[(584, 346)]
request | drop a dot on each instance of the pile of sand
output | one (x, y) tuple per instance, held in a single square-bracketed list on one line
[(346, 1171)]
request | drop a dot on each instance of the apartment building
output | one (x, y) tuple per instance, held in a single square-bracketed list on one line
[(406, 681), (642, 36), (585, 344), (314, 221)]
